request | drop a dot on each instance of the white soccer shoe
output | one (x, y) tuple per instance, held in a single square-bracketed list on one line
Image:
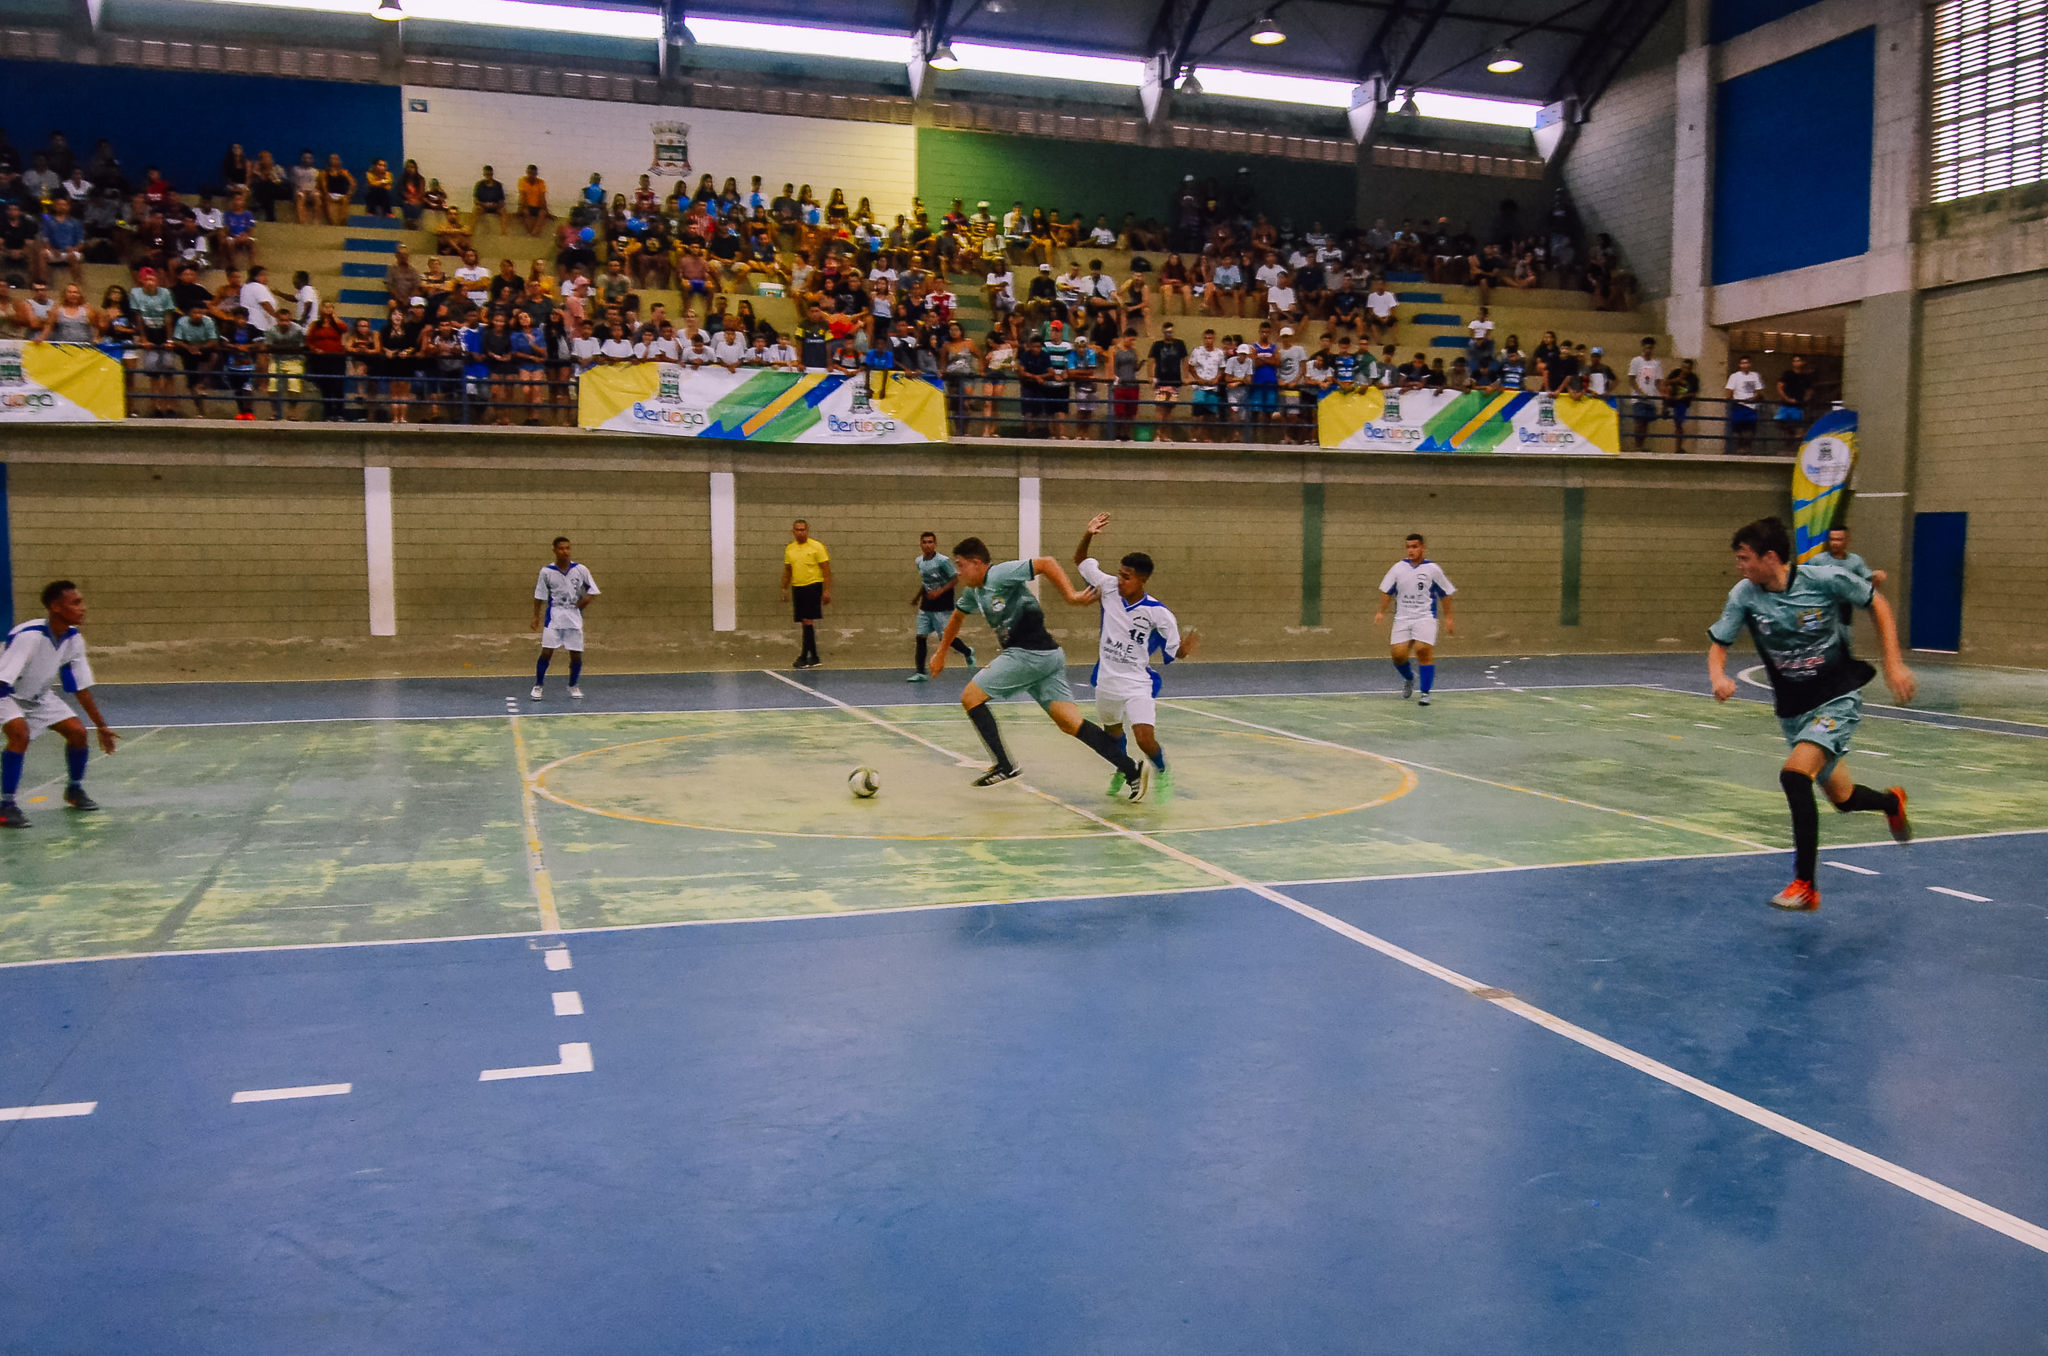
[(535, 694), (576, 694), (1135, 789)]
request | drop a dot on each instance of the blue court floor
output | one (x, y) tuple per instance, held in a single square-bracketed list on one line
[(1617, 1107)]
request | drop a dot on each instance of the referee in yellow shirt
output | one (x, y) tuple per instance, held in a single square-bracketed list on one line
[(806, 577)]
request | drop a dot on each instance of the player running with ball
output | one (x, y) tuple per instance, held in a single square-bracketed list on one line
[(1418, 587), (1794, 614), (1135, 625), (1031, 662)]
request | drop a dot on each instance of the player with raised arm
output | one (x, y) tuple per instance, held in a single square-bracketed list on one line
[(563, 591), (1419, 589), (935, 576), (1031, 662), (1135, 626), (40, 656), (1793, 614)]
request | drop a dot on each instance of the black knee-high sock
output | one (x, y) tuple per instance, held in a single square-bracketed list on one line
[(1863, 798), (923, 642), (1805, 822), (810, 641), (1097, 738), (961, 646), (985, 726)]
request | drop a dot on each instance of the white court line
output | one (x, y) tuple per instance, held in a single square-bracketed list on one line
[(536, 860), (1506, 786), (568, 1003), (558, 958), (290, 1094), (2012, 1226), (1924, 717), (575, 1059), (1859, 870), (45, 1113), (1961, 894)]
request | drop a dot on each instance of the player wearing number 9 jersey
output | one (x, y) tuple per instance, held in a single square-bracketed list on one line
[(1135, 626), (1420, 590)]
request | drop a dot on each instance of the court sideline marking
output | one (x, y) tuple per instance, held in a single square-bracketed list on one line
[(536, 863), (1948, 1198), (1444, 771)]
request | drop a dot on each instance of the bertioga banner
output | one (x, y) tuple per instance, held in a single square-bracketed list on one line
[(1386, 420), (58, 384), (1820, 481), (762, 405)]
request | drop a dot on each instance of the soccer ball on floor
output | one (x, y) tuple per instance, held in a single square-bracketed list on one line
[(864, 782)]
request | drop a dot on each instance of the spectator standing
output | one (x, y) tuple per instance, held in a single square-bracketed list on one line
[(1646, 383), (1680, 388), (412, 194), (234, 169), (1744, 385), (196, 339), (401, 279), (1795, 388), (154, 311), (61, 241)]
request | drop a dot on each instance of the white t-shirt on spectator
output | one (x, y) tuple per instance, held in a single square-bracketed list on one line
[(729, 350), (1744, 387), (659, 350), (1102, 236), (585, 350), (254, 295), (618, 350), (308, 299), (1381, 303), (1482, 330), (1280, 298), (1646, 375), (1292, 358), (474, 279), (1205, 363), (1268, 274), (209, 218), (782, 355)]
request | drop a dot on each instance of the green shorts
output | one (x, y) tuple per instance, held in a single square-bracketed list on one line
[(933, 623), (1829, 725), (1040, 673)]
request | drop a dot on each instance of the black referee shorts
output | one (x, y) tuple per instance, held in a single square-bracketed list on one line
[(808, 601)]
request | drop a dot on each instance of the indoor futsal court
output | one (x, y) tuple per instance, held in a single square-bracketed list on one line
[(409, 1015)]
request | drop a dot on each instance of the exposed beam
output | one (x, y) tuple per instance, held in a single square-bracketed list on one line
[(1416, 43), (1374, 63), (930, 32), (675, 35), (1169, 52), (1623, 26), (1465, 16)]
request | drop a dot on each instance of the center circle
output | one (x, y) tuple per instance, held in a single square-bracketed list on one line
[(790, 781)]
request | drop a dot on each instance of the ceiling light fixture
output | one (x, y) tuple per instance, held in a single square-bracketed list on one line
[(1408, 108), (1504, 61), (1266, 32), (943, 59), (390, 11), (1190, 85)]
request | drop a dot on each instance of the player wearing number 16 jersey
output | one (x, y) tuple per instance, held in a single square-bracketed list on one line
[(1135, 626), (1419, 590)]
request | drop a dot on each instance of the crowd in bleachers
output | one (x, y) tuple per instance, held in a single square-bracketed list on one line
[(1063, 351)]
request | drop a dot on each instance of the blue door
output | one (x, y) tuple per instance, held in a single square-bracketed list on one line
[(1938, 540)]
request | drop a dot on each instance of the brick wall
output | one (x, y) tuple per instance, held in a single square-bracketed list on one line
[(468, 543), (463, 130), (1980, 453), (1657, 565), (1620, 169), (194, 553)]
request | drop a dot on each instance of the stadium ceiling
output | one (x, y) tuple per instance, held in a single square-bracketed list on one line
[(1566, 48)]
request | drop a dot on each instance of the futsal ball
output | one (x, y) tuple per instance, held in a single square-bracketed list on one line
[(863, 782)]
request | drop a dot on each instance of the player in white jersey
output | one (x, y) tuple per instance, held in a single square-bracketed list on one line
[(1135, 626), (1419, 590), (40, 657), (564, 589)]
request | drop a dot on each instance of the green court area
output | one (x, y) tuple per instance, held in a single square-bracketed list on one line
[(337, 831)]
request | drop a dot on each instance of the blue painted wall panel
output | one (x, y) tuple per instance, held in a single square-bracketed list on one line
[(1730, 17), (184, 121), (1792, 156)]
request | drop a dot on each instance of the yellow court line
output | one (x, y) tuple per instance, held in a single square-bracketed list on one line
[(1926, 1188), (539, 782), (536, 862), (1483, 781)]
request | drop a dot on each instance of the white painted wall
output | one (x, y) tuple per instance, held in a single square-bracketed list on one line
[(464, 130)]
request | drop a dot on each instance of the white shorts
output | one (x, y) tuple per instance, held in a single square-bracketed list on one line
[(1422, 629), (562, 638), (1111, 709), (45, 711)]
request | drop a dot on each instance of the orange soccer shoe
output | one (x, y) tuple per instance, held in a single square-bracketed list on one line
[(1902, 830), (1798, 897)]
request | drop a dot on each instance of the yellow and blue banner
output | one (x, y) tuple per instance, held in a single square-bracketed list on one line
[(762, 406), (1820, 482), (59, 384), (1387, 420)]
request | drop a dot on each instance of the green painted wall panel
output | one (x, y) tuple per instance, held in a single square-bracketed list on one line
[(1097, 177)]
